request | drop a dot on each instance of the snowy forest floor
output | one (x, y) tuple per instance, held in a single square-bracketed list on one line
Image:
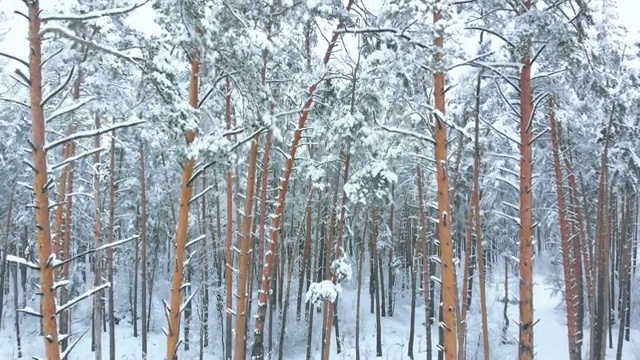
[(550, 332)]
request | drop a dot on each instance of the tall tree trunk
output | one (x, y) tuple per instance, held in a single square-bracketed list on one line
[(339, 247), (112, 204), (258, 345), (204, 267), (525, 347), (5, 252), (38, 142), (229, 239), (97, 262), (475, 204), (567, 258), (601, 318), (449, 293), (245, 246), (392, 270), (359, 287), (426, 260), (374, 255), (186, 192), (143, 245)]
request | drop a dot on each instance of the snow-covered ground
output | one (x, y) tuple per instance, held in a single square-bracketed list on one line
[(550, 332)]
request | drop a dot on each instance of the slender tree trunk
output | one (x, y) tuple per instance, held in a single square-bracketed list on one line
[(426, 257), (567, 258), (245, 245), (204, 267), (258, 345), (97, 262), (5, 251), (374, 255), (38, 142), (186, 192), (16, 306), (112, 204), (143, 245), (229, 239), (475, 204), (359, 288), (449, 293), (392, 270), (601, 318)]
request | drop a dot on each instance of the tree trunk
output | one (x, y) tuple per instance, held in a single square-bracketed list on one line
[(229, 240), (374, 255), (258, 345), (186, 192), (4, 252), (475, 204), (359, 287), (97, 262), (601, 318), (143, 245), (112, 204), (426, 257), (245, 246), (38, 142), (526, 343), (449, 293)]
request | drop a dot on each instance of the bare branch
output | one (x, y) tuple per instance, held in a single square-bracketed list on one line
[(14, 58)]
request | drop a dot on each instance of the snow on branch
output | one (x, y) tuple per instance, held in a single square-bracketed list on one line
[(500, 132), (200, 194), (324, 290), (81, 297), (186, 302), (64, 354), (103, 247), (94, 14), (57, 90), (22, 261), (69, 109), (513, 218), (341, 268), (30, 311), (195, 240), (17, 102), (406, 132), (67, 34), (77, 157), (91, 133)]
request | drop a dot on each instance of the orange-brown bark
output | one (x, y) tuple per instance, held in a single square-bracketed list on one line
[(229, 238), (525, 348), (245, 246), (568, 274), (449, 289), (41, 200), (186, 192), (263, 297)]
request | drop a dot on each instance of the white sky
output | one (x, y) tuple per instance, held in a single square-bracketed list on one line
[(629, 10)]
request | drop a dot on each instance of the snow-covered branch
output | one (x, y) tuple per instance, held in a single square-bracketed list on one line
[(77, 105), (22, 261), (103, 247), (77, 157), (91, 133), (92, 15), (81, 297), (67, 34)]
